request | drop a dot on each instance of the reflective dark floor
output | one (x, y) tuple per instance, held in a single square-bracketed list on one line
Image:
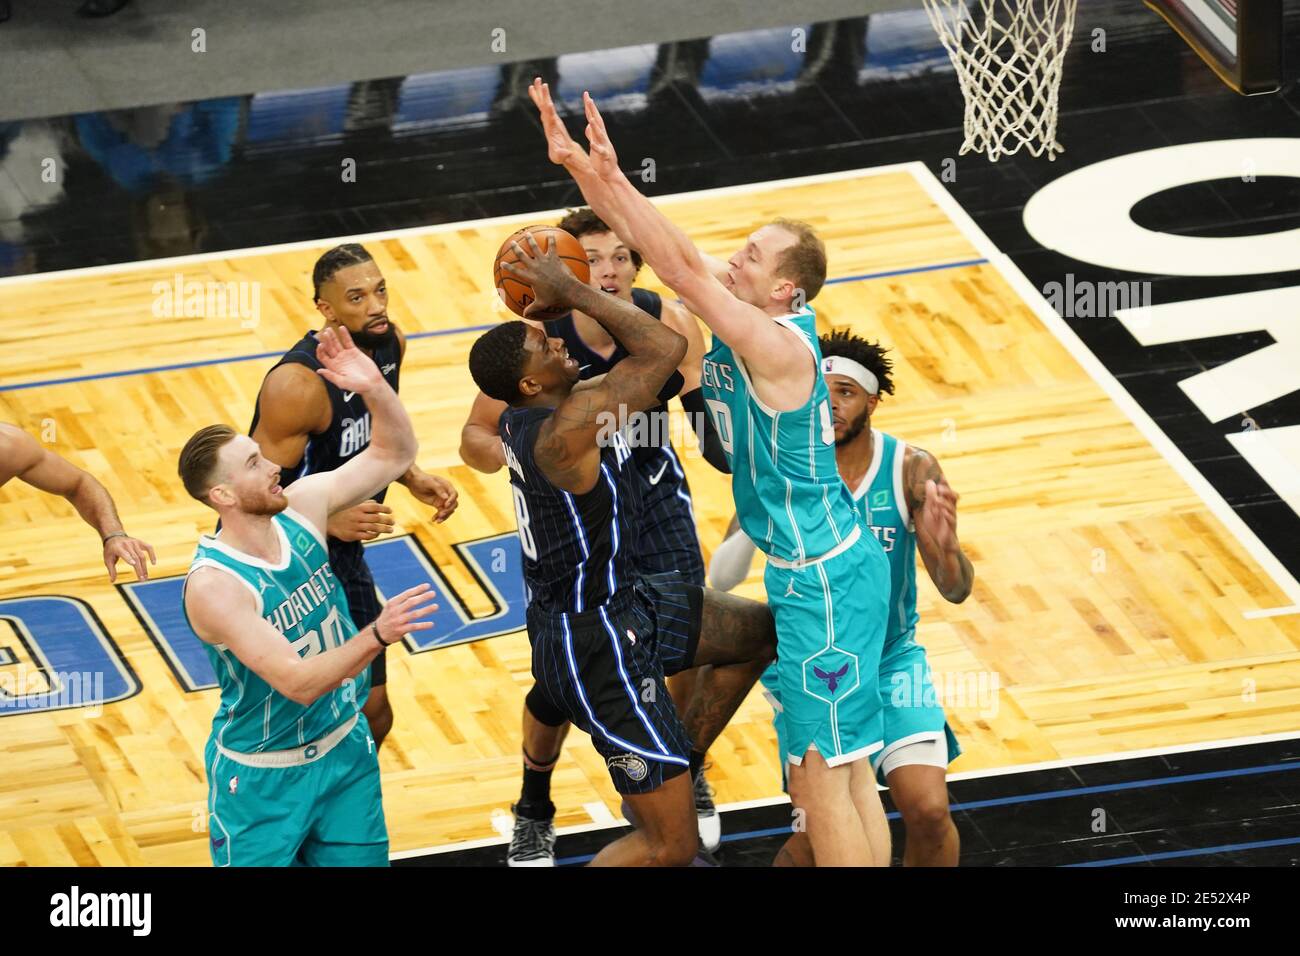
[(1235, 806)]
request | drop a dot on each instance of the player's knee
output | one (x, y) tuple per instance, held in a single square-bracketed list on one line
[(543, 711), (677, 851), (927, 815)]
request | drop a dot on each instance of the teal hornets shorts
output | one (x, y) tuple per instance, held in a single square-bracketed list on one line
[(830, 632), (326, 810), (910, 707)]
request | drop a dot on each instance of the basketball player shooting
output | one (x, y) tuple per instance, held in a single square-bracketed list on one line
[(666, 539), (827, 582), (604, 636), (293, 772)]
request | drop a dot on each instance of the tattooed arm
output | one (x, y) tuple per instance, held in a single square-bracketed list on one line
[(568, 449), (933, 504)]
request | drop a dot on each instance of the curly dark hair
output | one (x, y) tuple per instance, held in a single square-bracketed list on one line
[(340, 257), (582, 222), (870, 355), (496, 361)]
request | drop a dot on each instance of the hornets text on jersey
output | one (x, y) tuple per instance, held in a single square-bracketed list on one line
[(882, 502), (305, 603)]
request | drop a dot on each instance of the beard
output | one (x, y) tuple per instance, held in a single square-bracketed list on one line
[(854, 430), (370, 341), (265, 504)]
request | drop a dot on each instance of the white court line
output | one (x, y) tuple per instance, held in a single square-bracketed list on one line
[(600, 814), (964, 775), (1272, 612), (1032, 297)]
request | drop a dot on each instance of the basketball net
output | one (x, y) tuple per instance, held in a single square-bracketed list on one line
[(1008, 56)]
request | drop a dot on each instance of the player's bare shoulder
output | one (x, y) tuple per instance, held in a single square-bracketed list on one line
[(294, 395)]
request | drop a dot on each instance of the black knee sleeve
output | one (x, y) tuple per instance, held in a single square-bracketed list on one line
[(540, 706)]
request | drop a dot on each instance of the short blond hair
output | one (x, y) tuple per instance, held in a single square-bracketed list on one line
[(804, 263)]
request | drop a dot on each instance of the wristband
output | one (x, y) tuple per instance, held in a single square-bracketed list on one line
[(374, 626), (115, 534)]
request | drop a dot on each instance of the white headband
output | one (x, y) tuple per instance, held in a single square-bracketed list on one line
[(839, 365)]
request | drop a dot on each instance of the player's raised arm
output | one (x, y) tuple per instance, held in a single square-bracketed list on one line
[(392, 446), (933, 504), (480, 440), (222, 611), (763, 344), (567, 447)]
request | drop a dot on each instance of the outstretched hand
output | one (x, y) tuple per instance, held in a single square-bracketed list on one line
[(603, 158), (346, 365), (132, 551), (401, 615), (560, 146)]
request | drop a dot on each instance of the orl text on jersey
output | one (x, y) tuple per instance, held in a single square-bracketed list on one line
[(355, 435)]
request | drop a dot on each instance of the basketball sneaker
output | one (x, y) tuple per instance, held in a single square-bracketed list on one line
[(706, 814), (533, 841)]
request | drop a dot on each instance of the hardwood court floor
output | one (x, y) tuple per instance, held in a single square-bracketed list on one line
[(1107, 613)]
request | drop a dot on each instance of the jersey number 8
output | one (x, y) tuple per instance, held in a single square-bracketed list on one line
[(525, 532)]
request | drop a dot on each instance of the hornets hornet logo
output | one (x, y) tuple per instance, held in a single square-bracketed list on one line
[(632, 765)]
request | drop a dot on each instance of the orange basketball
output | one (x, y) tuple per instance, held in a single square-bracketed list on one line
[(517, 294)]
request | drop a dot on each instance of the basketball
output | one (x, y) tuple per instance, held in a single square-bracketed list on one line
[(518, 295)]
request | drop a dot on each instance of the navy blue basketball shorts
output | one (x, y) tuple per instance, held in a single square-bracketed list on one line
[(604, 669), (348, 561), (666, 538)]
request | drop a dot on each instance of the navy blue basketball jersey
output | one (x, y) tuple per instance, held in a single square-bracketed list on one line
[(349, 430), (653, 435), (578, 549), (666, 539)]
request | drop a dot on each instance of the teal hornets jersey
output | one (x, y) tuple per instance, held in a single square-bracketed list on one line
[(882, 502), (301, 599), (790, 499)]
